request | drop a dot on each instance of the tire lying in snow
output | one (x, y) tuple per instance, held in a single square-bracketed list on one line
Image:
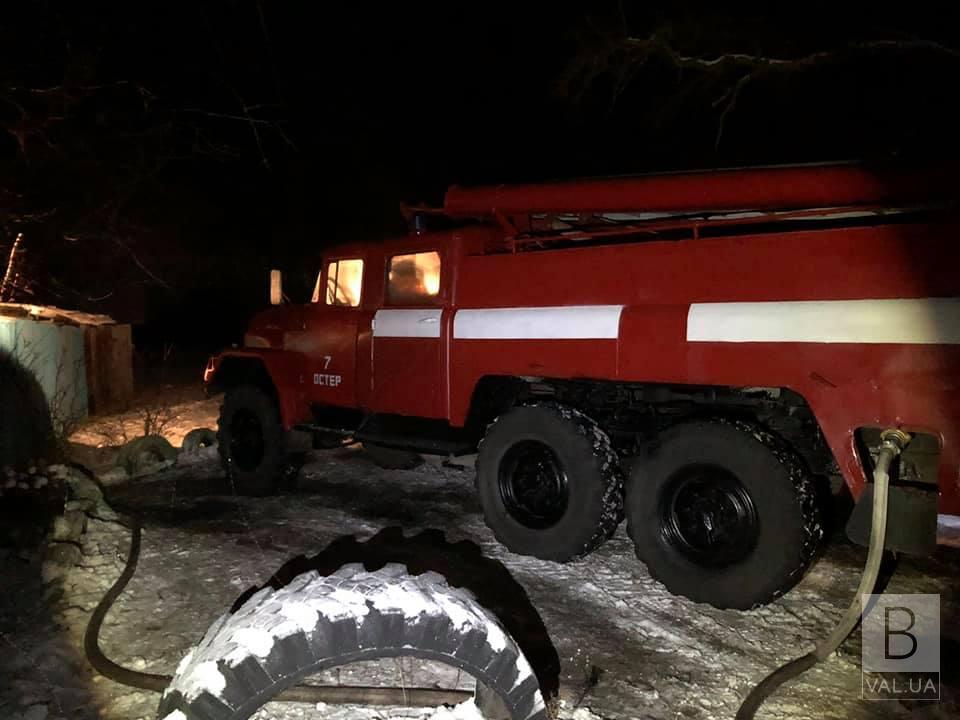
[(197, 439), (278, 637), (549, 482), (140, 454), (723, 513)]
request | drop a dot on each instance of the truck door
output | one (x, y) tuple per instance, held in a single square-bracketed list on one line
[(407, 332), (329, 338)]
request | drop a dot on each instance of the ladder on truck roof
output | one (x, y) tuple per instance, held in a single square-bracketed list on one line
[(681, 205)]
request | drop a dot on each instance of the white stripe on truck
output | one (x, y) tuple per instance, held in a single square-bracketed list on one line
[(575, 322), (417, 323), (925, 321)]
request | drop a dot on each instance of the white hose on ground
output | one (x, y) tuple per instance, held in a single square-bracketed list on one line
[(893, 442)]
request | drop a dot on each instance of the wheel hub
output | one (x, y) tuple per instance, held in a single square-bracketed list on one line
[(533, 485), (708, 515)]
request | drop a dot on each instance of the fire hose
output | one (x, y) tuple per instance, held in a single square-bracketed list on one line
[(366, 695), (893, 442)]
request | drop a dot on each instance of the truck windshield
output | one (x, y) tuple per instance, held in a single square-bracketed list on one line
[(344, 283)]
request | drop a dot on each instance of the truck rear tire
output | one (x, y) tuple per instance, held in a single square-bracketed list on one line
[(549, 482), (251, 441), (278, 637), (723, 513)]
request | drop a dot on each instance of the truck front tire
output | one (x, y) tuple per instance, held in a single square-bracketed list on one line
[(251, 441), (549, 482), (723, 513)]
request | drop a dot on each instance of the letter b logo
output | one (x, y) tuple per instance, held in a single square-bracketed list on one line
[(897, 622), (901, 633)]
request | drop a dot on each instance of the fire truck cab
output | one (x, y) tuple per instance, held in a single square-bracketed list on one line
[(704, 353)]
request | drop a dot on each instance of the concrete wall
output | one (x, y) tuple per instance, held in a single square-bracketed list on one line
[(54, 355)]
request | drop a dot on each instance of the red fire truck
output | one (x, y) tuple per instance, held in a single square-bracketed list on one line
[(700, 352)]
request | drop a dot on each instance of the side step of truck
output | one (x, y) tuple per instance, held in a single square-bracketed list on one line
[(434, 437), (416, 434)]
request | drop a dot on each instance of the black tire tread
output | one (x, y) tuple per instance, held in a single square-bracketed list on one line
[(805, 495), (357, 615), (273, 471), (610, 472)]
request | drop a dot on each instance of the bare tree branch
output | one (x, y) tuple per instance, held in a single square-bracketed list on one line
[(618, 56)]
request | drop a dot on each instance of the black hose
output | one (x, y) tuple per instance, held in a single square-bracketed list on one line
[(426, 697), (766, 687), (91, 638)]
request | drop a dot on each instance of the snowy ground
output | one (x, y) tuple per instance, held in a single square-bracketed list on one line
[(617, 643)]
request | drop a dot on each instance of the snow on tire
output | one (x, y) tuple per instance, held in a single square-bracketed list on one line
[(278, 637)]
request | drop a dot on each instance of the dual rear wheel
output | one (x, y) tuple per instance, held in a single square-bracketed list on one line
[(720, 512)]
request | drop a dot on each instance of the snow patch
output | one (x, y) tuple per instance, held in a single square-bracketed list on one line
[(255, 640), (409, 599), (496, 638), (340, 604), (464, 711), (204, 677), (460, 614), (523, 671), (182, 665), (300, 614)]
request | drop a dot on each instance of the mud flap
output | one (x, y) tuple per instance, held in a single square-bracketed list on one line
[(911, 519)]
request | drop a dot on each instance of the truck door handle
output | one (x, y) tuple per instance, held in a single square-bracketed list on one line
[(427, 320)]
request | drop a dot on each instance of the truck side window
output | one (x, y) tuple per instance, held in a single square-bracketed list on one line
[(413, 279), (344, 282)]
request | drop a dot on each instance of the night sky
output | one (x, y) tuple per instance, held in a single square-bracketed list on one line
[(159, 158)]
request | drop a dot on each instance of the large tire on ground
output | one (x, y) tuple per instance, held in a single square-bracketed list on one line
[(392, 458), (278, 637), (723, 513), (250, 440), (550, 483), (198, 439), (143, 454)]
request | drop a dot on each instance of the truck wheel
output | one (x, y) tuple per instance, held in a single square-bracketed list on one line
[(392, 458), (250, 441), (278, 637), (549, 482), (723, 513)]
